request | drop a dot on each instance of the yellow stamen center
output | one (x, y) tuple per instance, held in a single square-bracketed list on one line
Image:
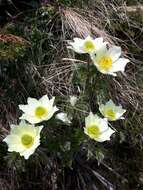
[(110, 114), (105, 63), (89, 46), (93, 131), (40, 111), (27, 141)]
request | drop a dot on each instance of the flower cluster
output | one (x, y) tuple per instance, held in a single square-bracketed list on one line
[(96, 127), (24, 138), (107, 60)]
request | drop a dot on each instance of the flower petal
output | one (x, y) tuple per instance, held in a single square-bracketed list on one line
[(38, 129), (29, 109), (99, 43), (44, 100), (120, 64), (32, 101), (106, 135), (30, 119), (114, 52), (12, 138), (77, 45)]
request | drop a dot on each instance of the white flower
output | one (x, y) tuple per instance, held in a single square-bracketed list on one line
[(108, 61), (73, 100), (97, 128), (37, 111), (63, 117), (111, 111), (87, 45), (23, 138)]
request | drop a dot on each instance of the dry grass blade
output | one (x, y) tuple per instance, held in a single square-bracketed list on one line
[(132, 8), (80, 26), (105, 182)]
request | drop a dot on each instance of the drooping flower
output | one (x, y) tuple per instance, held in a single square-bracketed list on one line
[(63, 117), (73, 100), (23, 138), (37, 111), (87, 45), (108, 61), (111, 111), (97, 128)]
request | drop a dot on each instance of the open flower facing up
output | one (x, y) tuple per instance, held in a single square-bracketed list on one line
[(23, 138), (97, 128), (37, 111), (108, 61), (87, 45), (111, 111)]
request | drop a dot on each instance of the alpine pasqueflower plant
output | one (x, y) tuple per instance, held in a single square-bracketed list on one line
[(23, 138), (108, 61), (87, 45), (37, 111), (111, 111), (97, 128)]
